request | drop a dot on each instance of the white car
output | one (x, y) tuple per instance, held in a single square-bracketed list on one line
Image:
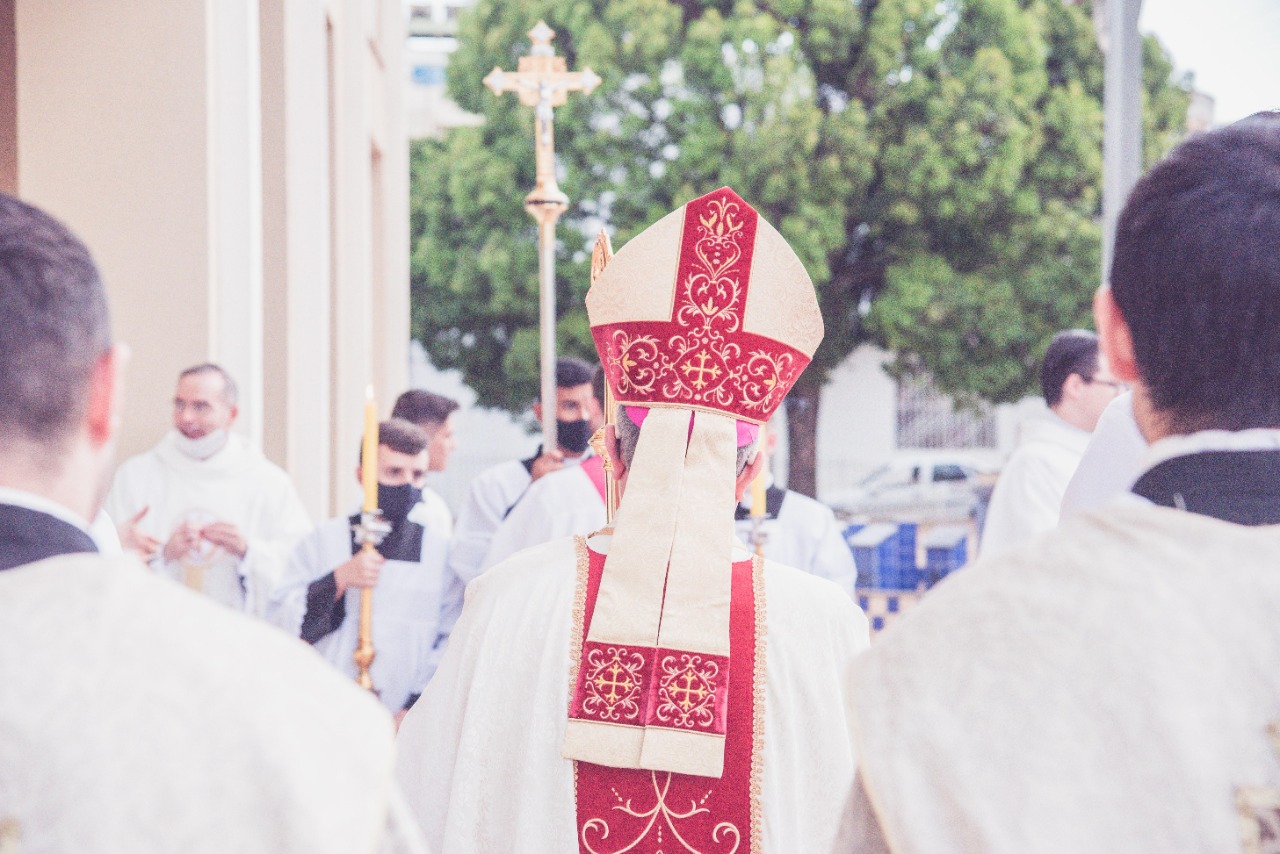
[(917, 488)]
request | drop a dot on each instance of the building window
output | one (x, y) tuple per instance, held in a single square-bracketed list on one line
[(930, 419)]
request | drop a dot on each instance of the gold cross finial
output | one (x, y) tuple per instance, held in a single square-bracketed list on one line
[(542, 75)]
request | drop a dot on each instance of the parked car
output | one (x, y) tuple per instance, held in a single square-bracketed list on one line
[(918, 487)]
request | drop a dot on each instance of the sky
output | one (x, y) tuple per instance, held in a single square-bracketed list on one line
[(1233, 46)]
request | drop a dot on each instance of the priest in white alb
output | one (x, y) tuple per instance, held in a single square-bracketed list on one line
[(655, 687), (223, 515)]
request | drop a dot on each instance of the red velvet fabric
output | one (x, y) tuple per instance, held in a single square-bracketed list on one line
[(646, 812), (701, 357)]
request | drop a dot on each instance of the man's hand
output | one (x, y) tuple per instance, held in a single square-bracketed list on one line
[(359, 572), (226, 535), (182, 542), (552, 460), (133, 540)]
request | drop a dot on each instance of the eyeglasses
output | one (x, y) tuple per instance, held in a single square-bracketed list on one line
[(1116, 386)]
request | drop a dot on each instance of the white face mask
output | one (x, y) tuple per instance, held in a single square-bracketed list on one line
[(204, 447)]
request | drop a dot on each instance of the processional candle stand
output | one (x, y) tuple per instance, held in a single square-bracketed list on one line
[(369, 532)]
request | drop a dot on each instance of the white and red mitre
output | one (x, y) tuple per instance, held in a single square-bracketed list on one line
[(706, 319)]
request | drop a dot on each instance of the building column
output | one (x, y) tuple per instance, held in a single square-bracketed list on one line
[(296, 255)]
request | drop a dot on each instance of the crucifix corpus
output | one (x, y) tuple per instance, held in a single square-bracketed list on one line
[(543, 83)]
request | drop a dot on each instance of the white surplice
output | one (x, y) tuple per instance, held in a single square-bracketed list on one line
[(559, 504), (1111, 462), (407, 603), (238, 485), (1106, 687), (138, 717), (805, 535), (1028, 495), (480, 753)]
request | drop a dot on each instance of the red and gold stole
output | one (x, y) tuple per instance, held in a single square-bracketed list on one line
[(637, 811)]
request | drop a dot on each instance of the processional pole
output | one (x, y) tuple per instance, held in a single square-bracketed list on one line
[(543, 83), (601, 254)]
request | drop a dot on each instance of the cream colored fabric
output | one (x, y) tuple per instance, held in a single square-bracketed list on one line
[(640, 283), (479, 755), (629, 606), (138, 717), (782, 303), (1105, 688)]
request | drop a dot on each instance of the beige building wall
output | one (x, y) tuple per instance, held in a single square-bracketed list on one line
[(239, 170)]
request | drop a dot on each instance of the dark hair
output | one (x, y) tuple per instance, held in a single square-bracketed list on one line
[(53, 325), (426, 409), (597, 385), (1074, 351), (1196, 273), (230, 393), (571, 371), (401, 436)]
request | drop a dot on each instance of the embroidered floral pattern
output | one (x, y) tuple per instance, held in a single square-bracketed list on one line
[(687, 685), (702, 356), (613, 683), (725, 836)]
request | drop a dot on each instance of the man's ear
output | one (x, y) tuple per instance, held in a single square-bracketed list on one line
[(613, 451), (750, 473), (105, 397), (360, 473), (1114, 336), (235, 410), (537, 412)]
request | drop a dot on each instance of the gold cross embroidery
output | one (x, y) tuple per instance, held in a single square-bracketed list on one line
[(701, 369), (620, 677), (690, 688)]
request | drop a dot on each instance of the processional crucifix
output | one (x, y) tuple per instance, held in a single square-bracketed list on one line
[(543, 82)]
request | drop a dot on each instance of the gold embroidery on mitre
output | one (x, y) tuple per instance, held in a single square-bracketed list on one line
[(1258, 808)]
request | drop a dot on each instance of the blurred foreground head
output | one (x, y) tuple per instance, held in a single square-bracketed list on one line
[(1193, 312), (57, 364)]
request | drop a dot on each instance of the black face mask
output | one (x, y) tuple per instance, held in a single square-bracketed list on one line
[(395, 502), (573, 435)]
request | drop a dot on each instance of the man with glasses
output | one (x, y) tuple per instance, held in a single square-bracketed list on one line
[(1077, 387)]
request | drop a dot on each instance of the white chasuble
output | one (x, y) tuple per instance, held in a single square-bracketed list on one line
[(138, 717), (1107, 687), (480, 753)]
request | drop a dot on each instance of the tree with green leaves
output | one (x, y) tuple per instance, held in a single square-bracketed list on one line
[(935, 165)]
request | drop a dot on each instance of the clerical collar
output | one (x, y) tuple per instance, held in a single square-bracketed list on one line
[(1232, 476), (28, 534), (40, 504)]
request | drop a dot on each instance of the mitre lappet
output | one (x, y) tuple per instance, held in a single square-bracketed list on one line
[(703, 323)]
